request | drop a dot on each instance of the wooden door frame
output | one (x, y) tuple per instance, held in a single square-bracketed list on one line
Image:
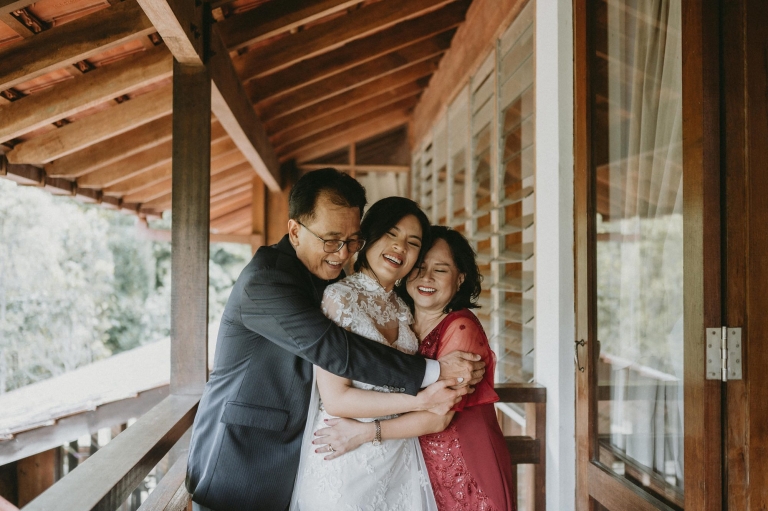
[(702, 263)]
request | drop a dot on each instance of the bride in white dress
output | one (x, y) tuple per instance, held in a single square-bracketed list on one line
[(390, 476)]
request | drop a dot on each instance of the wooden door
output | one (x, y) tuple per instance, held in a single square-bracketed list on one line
[(745, 294), (648, 253)]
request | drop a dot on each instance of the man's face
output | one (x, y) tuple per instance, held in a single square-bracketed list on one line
[(331, 222)]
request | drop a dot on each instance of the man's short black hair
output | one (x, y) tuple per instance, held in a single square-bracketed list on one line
[(340, 188)]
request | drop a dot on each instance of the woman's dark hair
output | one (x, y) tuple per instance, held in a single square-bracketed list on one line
[(340, 188), (381, 217), (464, 259)]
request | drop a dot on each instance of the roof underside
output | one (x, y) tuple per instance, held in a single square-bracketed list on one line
[(86, 101)]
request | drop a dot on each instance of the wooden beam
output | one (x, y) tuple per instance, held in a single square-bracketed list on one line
[(390, 85), (94, 128), (8, 6), (320, 38), (364, 118), (234, 110), (88, 90), (140, 162), (306, 167), (225, 180), (272, 18), (35, 475), (427, 51), (112, 150), (72, 42), (165, 235), (358, 52), (224, 149), (341, 140), (189, 265), (258, 211), (485, 22), (181, 24), (389, 98), (233, 219), (237, 201)]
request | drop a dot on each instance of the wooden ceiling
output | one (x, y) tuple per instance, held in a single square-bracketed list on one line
[(86, 99)]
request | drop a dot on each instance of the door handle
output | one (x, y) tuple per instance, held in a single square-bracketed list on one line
[(582, 342)]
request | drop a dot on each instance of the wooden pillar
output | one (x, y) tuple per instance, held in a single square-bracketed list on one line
[(35, 474), (190, 230), (258, 213)]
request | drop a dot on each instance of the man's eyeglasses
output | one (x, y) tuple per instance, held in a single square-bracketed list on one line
[(333, 246)]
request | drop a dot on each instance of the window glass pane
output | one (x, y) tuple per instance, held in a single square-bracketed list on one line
[(637, 157)]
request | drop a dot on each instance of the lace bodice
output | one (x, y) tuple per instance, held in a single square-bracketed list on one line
[(361, 305)]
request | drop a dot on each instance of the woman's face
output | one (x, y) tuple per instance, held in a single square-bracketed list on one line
[(434, 284), (393, 255)]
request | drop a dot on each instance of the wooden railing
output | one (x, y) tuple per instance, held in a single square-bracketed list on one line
[(530, 448), (104, 481)]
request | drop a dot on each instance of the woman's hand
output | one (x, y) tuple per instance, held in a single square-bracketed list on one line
[(342, 436), (440, 397)]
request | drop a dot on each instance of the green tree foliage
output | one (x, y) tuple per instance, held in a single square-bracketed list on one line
[(79, 283)]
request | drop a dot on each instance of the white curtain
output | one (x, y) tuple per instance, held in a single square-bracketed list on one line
[(640, 255)]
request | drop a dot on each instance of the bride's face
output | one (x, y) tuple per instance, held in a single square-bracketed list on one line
[(393, 255)]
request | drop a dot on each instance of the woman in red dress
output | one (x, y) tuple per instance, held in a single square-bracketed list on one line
[(468, 462)]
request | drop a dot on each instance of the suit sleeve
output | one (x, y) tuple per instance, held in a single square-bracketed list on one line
[(275, 305)]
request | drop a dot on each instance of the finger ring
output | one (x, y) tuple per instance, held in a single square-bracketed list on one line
[(331, 448), (461, 380)]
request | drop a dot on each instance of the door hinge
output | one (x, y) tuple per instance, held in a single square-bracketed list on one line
[(723, 353)]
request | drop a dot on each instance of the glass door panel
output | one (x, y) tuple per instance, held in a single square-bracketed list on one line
[(637, 174)]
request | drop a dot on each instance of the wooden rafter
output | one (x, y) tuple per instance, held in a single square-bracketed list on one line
[(357, 133), (306, 167), (358, 75), (273, 18), (84, 92), (138, 163), (358, 52), (413, 76), (163, 172), (180, 24), (323, 37), (8, 6), (363, 118), (233, 220), (372, 104), (233, 203), (112, 150), (72, 42), (94, 128)]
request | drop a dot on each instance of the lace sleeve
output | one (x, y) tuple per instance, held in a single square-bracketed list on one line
[(338, 304), (464, 334)]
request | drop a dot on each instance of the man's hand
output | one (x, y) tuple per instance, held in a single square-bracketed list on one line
[(440, 397), (466, 368)]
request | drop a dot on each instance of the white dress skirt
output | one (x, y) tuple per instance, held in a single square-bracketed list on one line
[(388, 477)]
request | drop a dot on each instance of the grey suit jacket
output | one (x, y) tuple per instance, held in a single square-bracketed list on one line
[(246, 437)]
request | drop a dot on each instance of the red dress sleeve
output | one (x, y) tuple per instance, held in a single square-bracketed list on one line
[(464, 333)]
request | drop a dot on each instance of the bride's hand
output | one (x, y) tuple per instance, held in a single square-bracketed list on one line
[(343, 436)]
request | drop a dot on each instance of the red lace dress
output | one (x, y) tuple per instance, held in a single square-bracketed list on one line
[(468, 463)]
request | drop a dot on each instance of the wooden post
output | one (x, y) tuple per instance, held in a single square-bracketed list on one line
[(352, 158), (258, 213), (35, 475), (190, 232)]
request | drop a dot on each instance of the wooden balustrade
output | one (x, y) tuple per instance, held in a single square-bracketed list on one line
[(105, 480), (530, 448)]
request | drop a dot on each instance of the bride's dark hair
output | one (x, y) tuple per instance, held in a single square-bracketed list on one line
[(381, 217)]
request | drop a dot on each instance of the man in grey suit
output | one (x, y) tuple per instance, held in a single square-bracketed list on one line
[(246, 438)]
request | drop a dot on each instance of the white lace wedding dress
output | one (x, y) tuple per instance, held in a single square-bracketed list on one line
[(389, 477)]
